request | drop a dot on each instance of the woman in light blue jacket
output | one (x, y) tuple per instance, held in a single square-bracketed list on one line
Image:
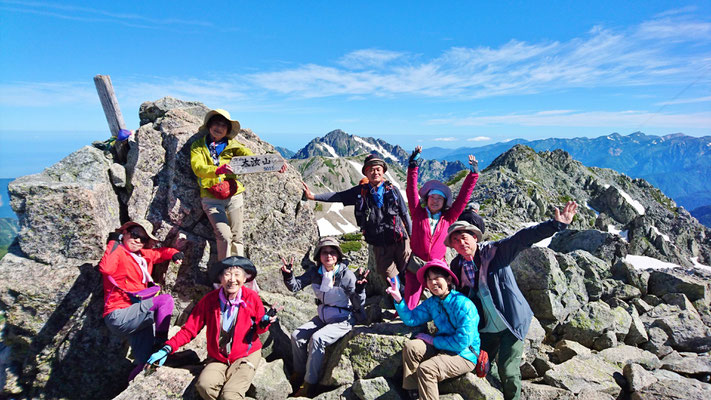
[(454, 349)]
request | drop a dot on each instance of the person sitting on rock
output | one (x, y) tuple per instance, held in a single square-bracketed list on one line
[(340, 297), (381, 214), (433, 210), (234, 316), (453, 350), (220, 191), (130, 305), (487, 279)]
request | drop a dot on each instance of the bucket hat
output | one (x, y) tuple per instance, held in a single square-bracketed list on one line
[(146, 225), (218, 111), (234, 261), (437, 185), (327, 241), (462, 226), (372, 160), (435, 263)]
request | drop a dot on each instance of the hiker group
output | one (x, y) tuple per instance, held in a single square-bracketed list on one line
[(475, 304)]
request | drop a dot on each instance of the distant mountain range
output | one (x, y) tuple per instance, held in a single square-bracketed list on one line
[(679, 165), (341, 144)]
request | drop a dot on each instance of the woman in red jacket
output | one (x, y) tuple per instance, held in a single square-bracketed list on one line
[(234, 316), (433, 210), (126, 266)]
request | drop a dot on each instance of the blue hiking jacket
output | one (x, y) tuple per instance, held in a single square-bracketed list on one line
[(456, 319), (495, 259)]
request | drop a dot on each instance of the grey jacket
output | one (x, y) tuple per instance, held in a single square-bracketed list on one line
[(493, 259), (337, 304)]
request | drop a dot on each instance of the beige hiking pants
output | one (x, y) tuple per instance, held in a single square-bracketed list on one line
[(423, 368), (227, 219), (228, 382)]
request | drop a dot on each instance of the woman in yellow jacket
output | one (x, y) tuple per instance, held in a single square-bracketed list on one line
[(220, 191)]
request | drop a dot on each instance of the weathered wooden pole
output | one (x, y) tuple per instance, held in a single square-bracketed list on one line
[(112, 111)]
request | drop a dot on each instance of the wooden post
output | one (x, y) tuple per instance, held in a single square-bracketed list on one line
[(112, 111)]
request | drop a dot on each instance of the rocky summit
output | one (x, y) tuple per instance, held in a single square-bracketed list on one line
[(621, 299)]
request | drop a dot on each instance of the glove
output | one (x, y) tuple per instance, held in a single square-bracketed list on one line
[(158, 358), (474, 167), (179, 256), (425, 338), (412, 161), (265, 321), (288, 271), (222, 169), (361, 279)]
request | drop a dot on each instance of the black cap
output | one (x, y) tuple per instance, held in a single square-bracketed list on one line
[(234, 261)]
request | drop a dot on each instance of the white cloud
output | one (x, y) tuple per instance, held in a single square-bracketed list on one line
[(479, 139), (86, 14), (445, 139), (368, 58), (600, 58), (613, 119)]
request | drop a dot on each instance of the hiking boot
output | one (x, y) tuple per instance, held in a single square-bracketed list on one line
[(306, 390), (296, 379)]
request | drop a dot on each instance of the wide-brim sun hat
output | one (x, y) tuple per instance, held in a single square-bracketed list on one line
[(145, 224), (327, 241), (437, 185), (439, 264), (462, 226), (218, 111), (234, 261), (373, 160)]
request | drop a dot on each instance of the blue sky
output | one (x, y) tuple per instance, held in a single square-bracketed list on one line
[(448, 75)]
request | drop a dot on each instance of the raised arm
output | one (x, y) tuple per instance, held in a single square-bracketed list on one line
[(466, 191), (508, 248), (413, 198), (347, 197), (295, 283)]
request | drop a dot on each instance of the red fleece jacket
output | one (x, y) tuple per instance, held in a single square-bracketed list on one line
[(118, 263), (207, 313)]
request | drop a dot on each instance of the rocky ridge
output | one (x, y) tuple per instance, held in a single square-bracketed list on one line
[(603, 327)]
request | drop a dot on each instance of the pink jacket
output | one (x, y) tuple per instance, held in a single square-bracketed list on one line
[(424, 244)]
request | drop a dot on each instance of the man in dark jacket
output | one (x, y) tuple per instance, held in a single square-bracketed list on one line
[(381, 213), (486, 277)]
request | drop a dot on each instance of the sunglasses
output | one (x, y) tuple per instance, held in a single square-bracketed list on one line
[(137, 234)]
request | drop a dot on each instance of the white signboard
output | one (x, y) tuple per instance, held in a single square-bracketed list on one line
[(257, 163)]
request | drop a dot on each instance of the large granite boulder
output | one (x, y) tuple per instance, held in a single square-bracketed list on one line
[(66, 211)]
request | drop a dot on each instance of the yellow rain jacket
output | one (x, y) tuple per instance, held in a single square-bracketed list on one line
[(204, 169)]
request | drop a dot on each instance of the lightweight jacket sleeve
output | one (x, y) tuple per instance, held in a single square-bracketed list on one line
[(420, 315), (507, 249), (161, 254), (413, 198), (347, 197), (258, 312), (195, 323), (463, 197), (109, 261), (404, 215), (296, 283), (466, 321), (199, 163)]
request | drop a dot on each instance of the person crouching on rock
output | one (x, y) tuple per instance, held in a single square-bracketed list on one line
[(433, 210), (381, 214), (453, 351), (234, 316), (340, 296), (131, 306)]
